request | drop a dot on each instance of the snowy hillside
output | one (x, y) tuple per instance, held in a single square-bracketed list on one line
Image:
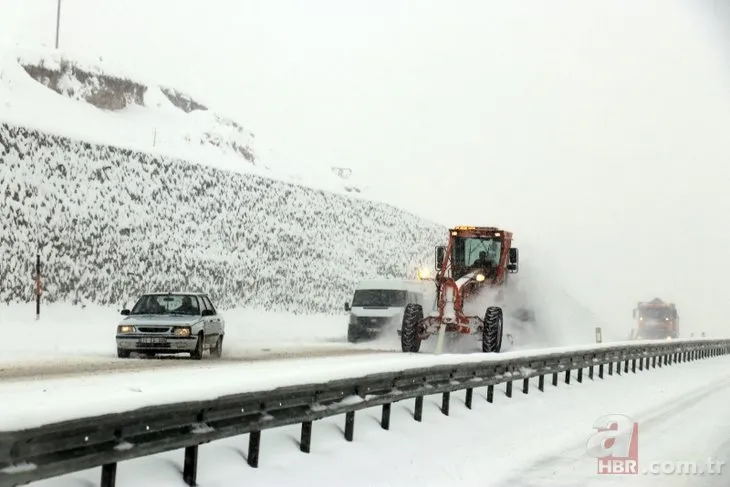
[(74, 95), (130, 186), (114, 222)]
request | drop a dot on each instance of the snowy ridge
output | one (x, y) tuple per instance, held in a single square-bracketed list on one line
[(116, 222), (101, 93)]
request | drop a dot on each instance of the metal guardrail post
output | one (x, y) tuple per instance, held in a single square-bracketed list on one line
[(254, 448), (418, 410), (305, 442), (350, 425), (190, 465), (385, 417), (469, 397), (108, 475)]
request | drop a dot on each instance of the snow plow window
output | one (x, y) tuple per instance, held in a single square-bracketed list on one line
[(467, 251), (380, 298), (655, 313), (172, 304)]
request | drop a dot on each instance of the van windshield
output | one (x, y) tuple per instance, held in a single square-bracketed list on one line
[(380, 298)]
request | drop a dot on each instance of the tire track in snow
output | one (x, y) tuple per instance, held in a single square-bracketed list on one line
[(75, 366)]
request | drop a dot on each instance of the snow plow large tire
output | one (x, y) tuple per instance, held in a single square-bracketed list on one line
[(492, 331), (410, 339)]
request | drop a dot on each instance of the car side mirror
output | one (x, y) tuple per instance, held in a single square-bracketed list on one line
[(347, 306), (125, 312), (207, 312)]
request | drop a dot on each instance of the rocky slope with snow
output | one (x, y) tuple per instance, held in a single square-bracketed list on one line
[(87, 82), (114, 222), (91, 98)]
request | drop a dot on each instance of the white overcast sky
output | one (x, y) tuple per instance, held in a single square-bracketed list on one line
[(598, 130)]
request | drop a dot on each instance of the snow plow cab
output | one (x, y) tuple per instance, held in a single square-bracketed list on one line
[(474, 258), (656, 319)]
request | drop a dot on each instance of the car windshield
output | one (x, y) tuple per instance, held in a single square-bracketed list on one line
[(379, 298), (167, 304)]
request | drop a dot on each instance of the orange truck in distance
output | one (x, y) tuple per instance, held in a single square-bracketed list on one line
[(656, 320)]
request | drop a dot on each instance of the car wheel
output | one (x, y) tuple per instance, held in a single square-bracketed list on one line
[(121, 353), (197, 354)]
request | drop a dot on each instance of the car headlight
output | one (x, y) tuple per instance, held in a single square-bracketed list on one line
[(182, 331), (125, 329), (480, 277)]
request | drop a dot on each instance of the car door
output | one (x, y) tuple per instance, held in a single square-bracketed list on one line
[(208, 327), (216, 320)]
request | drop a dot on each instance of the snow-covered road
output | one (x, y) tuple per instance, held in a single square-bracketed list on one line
[(90, 365), (684, 439), (71, 341), (528, 440)]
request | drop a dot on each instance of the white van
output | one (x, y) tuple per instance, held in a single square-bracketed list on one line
[(378, 305)]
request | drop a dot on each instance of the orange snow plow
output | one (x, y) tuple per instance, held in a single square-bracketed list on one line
[(656, 319), (474, 258)]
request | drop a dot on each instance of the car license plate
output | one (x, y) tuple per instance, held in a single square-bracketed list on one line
[(152, 340)]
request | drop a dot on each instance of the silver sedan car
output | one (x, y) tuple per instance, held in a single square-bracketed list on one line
[(171, 323)]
